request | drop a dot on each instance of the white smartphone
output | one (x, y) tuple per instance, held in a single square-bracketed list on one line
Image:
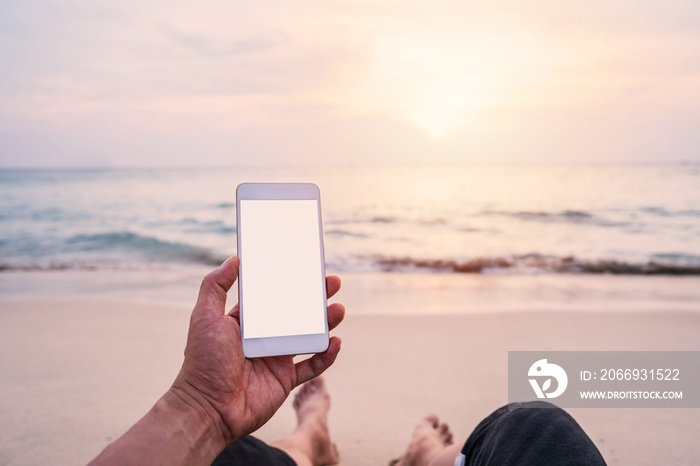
[(281, 281)]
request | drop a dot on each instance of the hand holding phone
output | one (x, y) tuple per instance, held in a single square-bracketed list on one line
[(244, 392), (280, 240)]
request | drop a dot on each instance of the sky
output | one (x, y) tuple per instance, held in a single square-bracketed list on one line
[(322, 82)]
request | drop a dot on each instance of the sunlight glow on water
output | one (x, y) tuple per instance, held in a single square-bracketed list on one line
[(434, 219)]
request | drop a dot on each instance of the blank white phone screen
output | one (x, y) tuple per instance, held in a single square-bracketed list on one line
[(281, 273)]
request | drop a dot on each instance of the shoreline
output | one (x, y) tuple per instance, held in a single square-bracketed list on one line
[(78, 373), (383, 293)]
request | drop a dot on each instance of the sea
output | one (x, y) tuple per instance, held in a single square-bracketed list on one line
[(576, 223)]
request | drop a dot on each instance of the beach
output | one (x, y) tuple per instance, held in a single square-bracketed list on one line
[(494, 178), (79, 369), (444, 269)]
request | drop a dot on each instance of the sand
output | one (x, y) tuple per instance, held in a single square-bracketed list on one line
[(77, 372)]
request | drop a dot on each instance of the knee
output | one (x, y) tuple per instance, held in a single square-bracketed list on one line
[(540, 413)]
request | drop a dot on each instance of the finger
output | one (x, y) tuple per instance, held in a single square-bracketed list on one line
[(235, 312), (332, 285), (318, 363), (212, 293), (336, 314)]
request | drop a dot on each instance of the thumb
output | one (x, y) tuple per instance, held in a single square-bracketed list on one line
[(212, 292)]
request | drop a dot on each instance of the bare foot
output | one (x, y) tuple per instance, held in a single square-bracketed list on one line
[(311, 441), (429, 438)]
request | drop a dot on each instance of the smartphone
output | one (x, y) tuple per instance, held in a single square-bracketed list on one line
[(282, 278)]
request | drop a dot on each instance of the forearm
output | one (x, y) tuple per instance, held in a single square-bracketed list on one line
[(175, 431)]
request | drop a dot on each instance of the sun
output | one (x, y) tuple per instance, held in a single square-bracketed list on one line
[(440, 81), (425, 81), (440, 106)]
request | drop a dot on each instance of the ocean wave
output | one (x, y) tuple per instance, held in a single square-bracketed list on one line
[(340, 232), (677, 258), (566, 215), (145, 246), (534, 263), (662, 212), (53, 266), (353, 220), (193, 225)]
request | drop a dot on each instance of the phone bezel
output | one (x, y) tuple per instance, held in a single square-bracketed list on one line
[(290, 344)]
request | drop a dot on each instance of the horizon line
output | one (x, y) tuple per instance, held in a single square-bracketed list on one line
[(675, 163)]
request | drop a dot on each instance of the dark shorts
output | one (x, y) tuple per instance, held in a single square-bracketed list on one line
[(535, 433), (249, 451)]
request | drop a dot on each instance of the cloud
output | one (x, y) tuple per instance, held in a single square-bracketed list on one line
[(459, 81), (205, 46)]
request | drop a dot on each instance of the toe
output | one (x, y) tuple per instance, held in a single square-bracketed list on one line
[(445, 434), (432, 420), (444, 429), (300, 396)]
